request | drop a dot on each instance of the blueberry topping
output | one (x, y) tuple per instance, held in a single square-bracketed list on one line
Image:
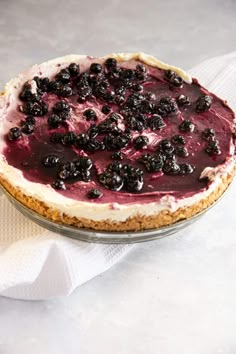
[(156, 122), (181, 151), (140, 142), (90, 114), (94, 194), (111, 64), (178, 139), (58, 184), (186, 126), (27, 128), (51, 161), (213, 148), (203, 103), (54, 120), (115, 167), (117, 155), (96, 68), (208, 134), (186, 168), (14, 134), (111, 181), (183, 101), (63, 76), (74, 69)]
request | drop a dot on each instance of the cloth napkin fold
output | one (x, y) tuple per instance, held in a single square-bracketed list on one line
[(38, 264)]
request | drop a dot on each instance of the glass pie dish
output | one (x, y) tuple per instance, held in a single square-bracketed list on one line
[(90, 235)]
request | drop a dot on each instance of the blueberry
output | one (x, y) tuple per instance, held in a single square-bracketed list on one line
[(85, 163), (111, 64), (119, 100), (94, 145), (113, 142), (156, 122), (186, 168), (64, 91), (171, 167), (81, 140), (27, 128), (166, 147), (93, 131), (54, 120), (26, 94), (56, 138), (173, 78), (106, 109), (183, 101), (208, 134), (51, 161), (213, 148), (69, 138), (140, 142), (203, 103), (84, 90), (152, 163), (42, 84), (109, 96), (14, 134), (137, 87), (181, 151), (94, 194), (58, 184), (96, 68), (117, 155), (166, 106), (34, 108), (63, 76), (61, 106), (115, 167), (178, 139), (140, 72), (30, 120), (133, 182), (74, 69), (186, 126), (90, 114), (111, 181)]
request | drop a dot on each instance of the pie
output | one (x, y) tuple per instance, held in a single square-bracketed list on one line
[(118, 143)]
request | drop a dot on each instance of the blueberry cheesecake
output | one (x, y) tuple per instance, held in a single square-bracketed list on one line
[(119, 143)]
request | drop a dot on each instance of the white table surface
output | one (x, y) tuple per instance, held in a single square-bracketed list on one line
[(171, 296)]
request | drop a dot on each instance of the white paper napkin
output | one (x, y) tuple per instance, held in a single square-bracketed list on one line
[(38, 264)]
